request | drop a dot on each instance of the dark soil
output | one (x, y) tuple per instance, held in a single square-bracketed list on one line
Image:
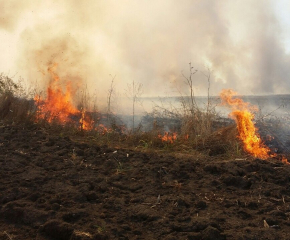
[(54, 187)]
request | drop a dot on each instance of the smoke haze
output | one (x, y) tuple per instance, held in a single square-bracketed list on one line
[(151, 42)]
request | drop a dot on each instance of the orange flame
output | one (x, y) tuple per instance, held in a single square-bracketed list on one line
[(58, 104), (284, 160), (241, 113), (86, 123), (167, 137), (102, 129)]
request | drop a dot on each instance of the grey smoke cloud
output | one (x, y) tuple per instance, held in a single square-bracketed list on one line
[(152, 42)]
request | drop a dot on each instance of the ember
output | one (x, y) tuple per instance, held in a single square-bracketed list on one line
[(168, 137)]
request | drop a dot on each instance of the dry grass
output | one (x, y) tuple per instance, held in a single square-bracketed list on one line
[(14, 107), (194, 127)]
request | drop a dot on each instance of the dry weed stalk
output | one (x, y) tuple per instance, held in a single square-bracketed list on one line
[(197, 122), (14, 105), (134, 91), (266, 225), (8, 235)]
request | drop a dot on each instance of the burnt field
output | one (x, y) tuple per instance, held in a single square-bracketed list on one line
[(162, 120), (64, 187)]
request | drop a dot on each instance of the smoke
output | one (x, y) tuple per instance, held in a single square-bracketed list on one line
[(11, 13), (151, 42)]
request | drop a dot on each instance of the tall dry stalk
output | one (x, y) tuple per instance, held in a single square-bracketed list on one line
[(109, 99), (134, 92), (189, 82), (197, 122)]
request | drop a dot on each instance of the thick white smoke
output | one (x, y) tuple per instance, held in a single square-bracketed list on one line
[(150, 41)]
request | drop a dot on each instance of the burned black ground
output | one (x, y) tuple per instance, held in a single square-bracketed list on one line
[(57, 187)]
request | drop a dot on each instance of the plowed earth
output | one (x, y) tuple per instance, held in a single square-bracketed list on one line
[(53, 187)]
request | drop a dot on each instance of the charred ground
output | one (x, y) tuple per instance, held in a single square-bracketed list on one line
[(55, 186), (59, 181)]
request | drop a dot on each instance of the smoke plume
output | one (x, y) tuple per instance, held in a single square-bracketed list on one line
[(151, 42)]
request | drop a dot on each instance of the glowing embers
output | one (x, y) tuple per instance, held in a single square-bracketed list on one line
[(242, 114), (58, 104), (168, 137)]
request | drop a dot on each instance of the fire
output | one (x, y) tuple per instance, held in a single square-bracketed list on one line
[(102, 129), (58, 104), (284, 160), (242, 114), (86, 123), (167, 137)]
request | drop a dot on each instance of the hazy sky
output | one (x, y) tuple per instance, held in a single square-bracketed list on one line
[(246, 43)]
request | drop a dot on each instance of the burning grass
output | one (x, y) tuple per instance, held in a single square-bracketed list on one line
[(58, 104), (243, 115), (131, 180), (173, 130)]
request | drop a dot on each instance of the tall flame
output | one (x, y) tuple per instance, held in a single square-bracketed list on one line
[(242, 114), (58, 104)]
